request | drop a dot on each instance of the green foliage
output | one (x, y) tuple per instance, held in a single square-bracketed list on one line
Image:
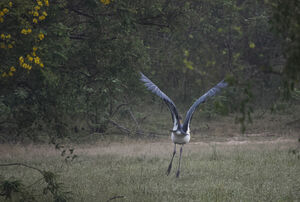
[(92, 53), (16, 190), (54, 187), (8, 187), (286, 22)]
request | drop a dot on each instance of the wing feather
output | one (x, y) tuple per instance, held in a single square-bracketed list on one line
[(200, 100), (154, 89)]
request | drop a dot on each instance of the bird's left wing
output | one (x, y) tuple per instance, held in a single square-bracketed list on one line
[(200, 100), (153, 88)]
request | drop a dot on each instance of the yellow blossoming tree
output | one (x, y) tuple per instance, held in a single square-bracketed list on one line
[(21, 29)]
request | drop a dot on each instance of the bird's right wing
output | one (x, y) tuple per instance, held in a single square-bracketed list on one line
[(200, 100), (154, 89)]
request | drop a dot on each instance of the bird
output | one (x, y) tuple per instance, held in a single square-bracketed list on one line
[(180, 133)]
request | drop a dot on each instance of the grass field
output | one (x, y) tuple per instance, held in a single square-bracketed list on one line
[(135, 170)]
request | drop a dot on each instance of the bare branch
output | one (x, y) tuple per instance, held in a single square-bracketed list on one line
[(153, 24), (122, 128), (117, 108), (133, 118), (82, 13), (115, 197), (24, 165), (77, 37), (272, 72)]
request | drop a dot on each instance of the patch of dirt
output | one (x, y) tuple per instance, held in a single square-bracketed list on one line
[(234, 141), (161, 148)]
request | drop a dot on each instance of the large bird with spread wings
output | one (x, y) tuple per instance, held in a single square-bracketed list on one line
[(181, 131)]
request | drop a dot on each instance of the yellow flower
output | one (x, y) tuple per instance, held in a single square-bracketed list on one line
[(4, 74), (42, 18), (37, 8), (29, 67), (41, 65), (41, 36), (21, 60), (45, 13), (5, 10), (10, 4), (46, 2), (2, 36), (252, 45), (10, 73), (35, 13), (12, 69), (26, 31), (33, 53), (37, 60), (9, 46), (39, 3), (8, 36), (105, 2), (2, 45), (1, 13), (34, 48), (23, 31)]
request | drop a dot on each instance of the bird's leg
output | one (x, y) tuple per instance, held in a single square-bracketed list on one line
[(178, 171), (170, 165)]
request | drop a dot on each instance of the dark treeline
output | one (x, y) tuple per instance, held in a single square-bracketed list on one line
[(91, 52)]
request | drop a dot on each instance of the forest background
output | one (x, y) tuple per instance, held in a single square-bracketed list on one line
[(71, 68)]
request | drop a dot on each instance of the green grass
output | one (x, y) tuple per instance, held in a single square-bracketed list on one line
[(230, 171)]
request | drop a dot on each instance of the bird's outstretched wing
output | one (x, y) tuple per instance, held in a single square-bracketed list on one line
[(153, 88), (200, 100)]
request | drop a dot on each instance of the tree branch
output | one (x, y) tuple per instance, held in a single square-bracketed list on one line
[(122, 128), (24, 165), (272, 72), (77, 37), (115, 197), (153, 24), (133, 118), (117, 108), (82, 13)]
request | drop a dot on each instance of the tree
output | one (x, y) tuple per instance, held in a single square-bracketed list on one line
[(285, 21)]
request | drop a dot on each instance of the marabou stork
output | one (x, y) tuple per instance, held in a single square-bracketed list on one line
[(180, 134)]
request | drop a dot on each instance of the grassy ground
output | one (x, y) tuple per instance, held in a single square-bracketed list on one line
[(135, 170)]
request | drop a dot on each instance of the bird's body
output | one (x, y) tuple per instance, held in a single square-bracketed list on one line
[(180, 138), (180, 132)]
